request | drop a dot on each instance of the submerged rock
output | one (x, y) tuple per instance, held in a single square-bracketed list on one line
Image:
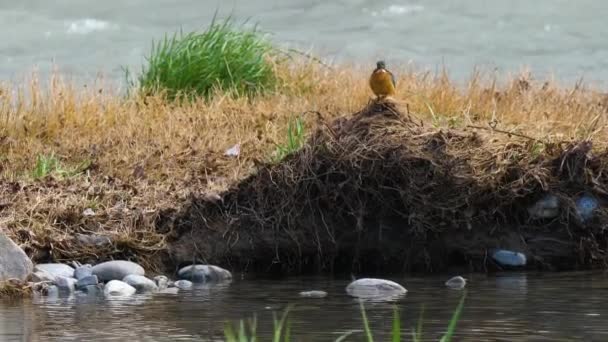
[(456, 283), (586, 206), (161, 282), (83, 271), (92, 290), (65, 284), (14, 263), (116, 270), (141, 283), (172, 291), (183, 284), (56, 269), (373, 288), (117, 288), (313, 294), (87, 281), (509, 258), (204, 273), (546, 207)]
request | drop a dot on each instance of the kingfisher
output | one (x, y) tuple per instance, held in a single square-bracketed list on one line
[(382, 81)]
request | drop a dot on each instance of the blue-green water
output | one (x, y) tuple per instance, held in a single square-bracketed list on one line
[(509, 307), (87, 37)]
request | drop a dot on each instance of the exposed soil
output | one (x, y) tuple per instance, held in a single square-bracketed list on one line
[(379, 192)]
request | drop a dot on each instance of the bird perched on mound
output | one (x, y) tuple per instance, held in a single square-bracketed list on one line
[(382, 81)]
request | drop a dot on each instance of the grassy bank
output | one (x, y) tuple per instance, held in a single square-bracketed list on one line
[(77, 161)]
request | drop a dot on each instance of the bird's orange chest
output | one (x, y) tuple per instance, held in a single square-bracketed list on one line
[(381, 82)]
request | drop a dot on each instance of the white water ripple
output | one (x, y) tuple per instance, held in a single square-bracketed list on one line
[(87, 25)]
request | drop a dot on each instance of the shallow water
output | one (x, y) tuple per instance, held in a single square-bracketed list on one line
[(86, 37), (508, 307)]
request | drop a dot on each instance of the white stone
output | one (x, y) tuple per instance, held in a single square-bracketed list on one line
[(117, 288), (162, 282), (456, 283), (57, 270), (141, 283), (183, 284), (42, 276), (374, 288), (14, 263), (204, 273), (117, 270), (313, 294)]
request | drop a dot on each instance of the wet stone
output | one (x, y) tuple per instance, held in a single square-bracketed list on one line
[(57, 270), (65, 284), (372, 287), (509, 258), (14, 263), (117, 288), (86, 281), (204, 273), (116, 270), (161, 282), (456, 283), (313, 294), (83, 271), (141, 283), (183, 284)]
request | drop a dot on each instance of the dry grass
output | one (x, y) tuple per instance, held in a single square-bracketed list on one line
[(142, 156)]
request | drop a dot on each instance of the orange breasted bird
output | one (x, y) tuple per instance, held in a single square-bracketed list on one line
[(382, 81)]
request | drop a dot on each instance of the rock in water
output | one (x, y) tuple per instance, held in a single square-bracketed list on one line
[(57, 270), (117, 270), (14, 263), (183, 284), (141, 283), (509, 258), (162, 282), (457, 283), (374, 288), (86, 281), (65, 284), (171, 291), (117, 288), (204, 273), (313, 294), (42, 276), (83, 271)]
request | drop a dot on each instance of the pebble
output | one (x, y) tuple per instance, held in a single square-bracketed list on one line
[(162, 282), (456, 283), (86, 281), (141, 283), (65, 284), (183, 284), (586, 206), (546, 207), (372, 288), (117, 288), (509, 258), (204, 273), (116, 270), (56, 270), (313, 294), (83, 271)]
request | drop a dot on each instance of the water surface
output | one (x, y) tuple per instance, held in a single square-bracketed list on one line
[(510, 307), (86, 37)]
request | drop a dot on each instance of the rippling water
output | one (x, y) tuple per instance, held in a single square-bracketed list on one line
[(509, 307), (86, 37)]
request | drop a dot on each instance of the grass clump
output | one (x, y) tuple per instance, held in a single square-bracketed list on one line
[(222, 58), (49, 165), (295, 139)]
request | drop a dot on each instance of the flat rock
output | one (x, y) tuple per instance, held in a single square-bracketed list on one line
[(57, 270), (373, 288), (161, 282), (117, 288), (117, 270), (313, 294), (42, 276), (183, 284), (171, 291), (14, 263), (86, 281), (141, 283), (65, 284), (509, 258), (204, 273), (457, 283), (83, 271)]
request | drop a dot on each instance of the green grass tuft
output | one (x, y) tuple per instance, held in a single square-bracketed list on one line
[(49, 165), (295, 139), (224, 57)]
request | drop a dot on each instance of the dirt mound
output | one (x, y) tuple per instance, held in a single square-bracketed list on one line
[(380, 191)]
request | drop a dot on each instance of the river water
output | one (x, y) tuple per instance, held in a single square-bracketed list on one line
[(505, 307), (87, 37)]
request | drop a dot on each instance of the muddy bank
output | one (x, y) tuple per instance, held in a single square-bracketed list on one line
[(380, 191)]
